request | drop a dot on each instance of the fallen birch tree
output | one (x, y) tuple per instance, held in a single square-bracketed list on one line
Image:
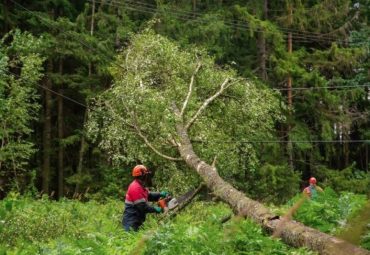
[(164, 97)]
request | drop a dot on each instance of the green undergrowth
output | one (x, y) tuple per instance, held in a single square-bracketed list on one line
[(66, 227), (198, 231), (365, 240), (29, 226), (330, 211)]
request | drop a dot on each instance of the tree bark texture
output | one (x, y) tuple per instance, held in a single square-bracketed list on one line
[(292, 233), (47, 132)]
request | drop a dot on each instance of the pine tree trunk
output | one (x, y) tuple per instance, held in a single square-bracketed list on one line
[(367, 97), (346, 149), (367, 158), (81, 153), (339, 156), (290, 99), (60, 137), (6, 16), (293, 233), (83, 143), (92, 30), (47, 132), (262, 53)]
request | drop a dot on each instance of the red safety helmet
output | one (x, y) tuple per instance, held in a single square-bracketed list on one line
[(312, 180), (139, 170)]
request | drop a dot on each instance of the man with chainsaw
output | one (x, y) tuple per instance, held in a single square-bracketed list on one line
[(137, 197), (312, 189)]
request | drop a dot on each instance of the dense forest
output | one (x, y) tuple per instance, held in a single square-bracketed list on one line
[(268, 92)]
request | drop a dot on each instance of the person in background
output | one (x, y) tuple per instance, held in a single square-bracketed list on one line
[(136, 201), (312, 189)]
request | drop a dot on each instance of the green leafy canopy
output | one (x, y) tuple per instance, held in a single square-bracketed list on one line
[(152, 75)]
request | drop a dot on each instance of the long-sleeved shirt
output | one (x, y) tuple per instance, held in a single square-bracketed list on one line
[(137, 206)]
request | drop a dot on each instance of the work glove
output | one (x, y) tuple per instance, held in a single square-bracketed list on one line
[(164, 193), (157, 209)]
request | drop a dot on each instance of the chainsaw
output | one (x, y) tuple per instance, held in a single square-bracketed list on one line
[(169, 203)]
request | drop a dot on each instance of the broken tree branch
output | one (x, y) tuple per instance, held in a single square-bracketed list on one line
[(190, 89), (226, 218), (139, 132), (214, 162), (155, 150), (207, 102), (119, 116)]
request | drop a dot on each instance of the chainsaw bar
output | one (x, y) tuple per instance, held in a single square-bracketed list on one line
[(174, 202)]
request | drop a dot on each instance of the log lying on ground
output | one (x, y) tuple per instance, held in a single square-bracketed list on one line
[(293, 233)]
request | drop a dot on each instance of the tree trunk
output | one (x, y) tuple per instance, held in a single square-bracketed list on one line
[(290, 101), (262, 54), (293, 233), (339, 156), (81, 153), (367, 97), (346, 150), (60, 137), (367, 158), (83, 143), (194, 7), (47, 132), (6, 16), (92, 30)]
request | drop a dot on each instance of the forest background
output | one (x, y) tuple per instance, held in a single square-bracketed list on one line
[(57, 56)]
